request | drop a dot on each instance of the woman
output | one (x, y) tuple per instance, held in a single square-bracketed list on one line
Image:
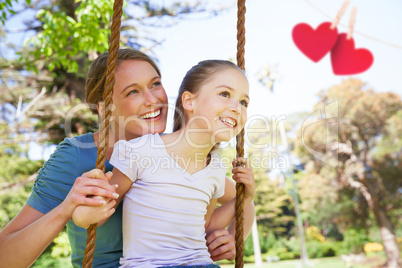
[(65, 180)]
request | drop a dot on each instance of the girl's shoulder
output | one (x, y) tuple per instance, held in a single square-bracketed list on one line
[(146, 144), (145, 139)]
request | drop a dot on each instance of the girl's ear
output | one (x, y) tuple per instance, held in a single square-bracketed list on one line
[(187, 99)]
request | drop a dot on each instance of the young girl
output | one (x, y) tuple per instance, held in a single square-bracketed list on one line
[(171, 182)]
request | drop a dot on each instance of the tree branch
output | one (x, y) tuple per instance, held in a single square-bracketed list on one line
[(8, 187)]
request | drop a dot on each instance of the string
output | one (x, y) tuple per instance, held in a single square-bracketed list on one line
[(356, 32)]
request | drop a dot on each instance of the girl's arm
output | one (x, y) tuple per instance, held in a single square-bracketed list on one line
[(249, 210), (221, 243), (84, 216), (210, 210), (225, 214)]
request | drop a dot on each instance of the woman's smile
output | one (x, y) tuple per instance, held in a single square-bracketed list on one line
[(151, 115)]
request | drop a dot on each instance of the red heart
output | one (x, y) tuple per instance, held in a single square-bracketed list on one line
[(314, 43), (347, 60)]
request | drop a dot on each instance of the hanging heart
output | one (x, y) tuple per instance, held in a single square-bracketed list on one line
[(347, 60), (315, 44)]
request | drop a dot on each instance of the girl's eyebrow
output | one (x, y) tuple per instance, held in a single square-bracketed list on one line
[(134, 84), (245, 95)]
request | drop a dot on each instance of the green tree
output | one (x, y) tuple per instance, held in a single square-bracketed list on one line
[(6, 9), (354, 147)]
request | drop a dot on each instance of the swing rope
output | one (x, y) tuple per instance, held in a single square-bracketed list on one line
[(105, 117), (239, 207)]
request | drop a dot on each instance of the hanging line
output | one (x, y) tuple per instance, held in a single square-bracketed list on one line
[(240, 191), (359, 33)]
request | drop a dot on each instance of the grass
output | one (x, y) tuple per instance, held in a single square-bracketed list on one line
[(333, 262)]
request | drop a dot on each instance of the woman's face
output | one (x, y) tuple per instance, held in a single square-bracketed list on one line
[(139, 100)]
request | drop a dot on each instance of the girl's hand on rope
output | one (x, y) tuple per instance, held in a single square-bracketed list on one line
[(244, 174), (221, 245), (91, 183)]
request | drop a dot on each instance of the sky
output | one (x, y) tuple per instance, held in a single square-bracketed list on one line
[(269, 26)]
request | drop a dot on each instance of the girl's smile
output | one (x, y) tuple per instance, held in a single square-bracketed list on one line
[(230, 122)]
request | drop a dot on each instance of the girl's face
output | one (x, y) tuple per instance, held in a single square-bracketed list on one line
[(139, 100), (220, 106)]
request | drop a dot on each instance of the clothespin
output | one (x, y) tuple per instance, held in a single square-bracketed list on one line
[(351, 23), (340, 14)]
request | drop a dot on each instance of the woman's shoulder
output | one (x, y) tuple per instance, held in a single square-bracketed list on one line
[(73, 147), (82, 141)]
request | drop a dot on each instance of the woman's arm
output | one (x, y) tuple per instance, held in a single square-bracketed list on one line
[(24, 239)]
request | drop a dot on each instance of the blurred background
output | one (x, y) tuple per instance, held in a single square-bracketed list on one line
[(326, 149)]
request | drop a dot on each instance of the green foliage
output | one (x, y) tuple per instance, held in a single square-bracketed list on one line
[(248, 246), (316, 249), (267, 241), (290, 249), (272, 205), (6, 8), (64, 37), (354, 240), (11, 204), (285, 249), (314, 234), (391, 143), (61, 246), (46, 260), (14, 189), (282, 252)]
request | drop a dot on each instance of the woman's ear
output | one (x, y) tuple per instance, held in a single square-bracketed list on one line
[(188, 101)]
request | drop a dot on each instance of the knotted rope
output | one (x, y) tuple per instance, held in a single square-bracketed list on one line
[(105, 117), (239, 213)]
